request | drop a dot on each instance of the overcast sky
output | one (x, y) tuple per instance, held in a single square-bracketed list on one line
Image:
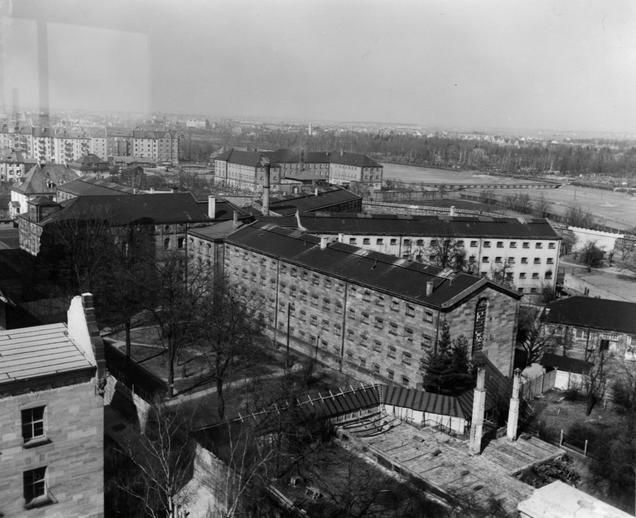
[(535, 64)]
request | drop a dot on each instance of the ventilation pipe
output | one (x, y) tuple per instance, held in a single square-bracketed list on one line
[(211, 207), (429, 288), (513, 411), (479, 407)]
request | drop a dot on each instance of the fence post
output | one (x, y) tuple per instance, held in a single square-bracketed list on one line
[(585, 449), (561, 438)]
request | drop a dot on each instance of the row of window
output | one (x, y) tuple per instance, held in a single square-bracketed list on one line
[(512, 260), (460, 243)]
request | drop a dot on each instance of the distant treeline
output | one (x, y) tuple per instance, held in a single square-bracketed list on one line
[(502, 154)]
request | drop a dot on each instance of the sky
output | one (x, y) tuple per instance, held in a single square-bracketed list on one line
[(536, 64)]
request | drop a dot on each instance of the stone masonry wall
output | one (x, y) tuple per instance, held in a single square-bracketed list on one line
[(74, 457)]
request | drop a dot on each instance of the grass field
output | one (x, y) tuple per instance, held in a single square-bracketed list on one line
[(409, 173)]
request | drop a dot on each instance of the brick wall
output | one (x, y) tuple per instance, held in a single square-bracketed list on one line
[(74, 457)]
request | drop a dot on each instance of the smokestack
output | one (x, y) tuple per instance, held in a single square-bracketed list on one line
[(479, 407), (211, 207), (323, 242), (513, 411), (452, 211), (429, 288)]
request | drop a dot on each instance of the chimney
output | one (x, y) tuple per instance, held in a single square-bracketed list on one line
[(341, 238), (429, 288), (513, 411), (211, 207), (316, 191), (235, 222), (323, 242), (479, 407), (452, 211), (265, 162), (298, 222)]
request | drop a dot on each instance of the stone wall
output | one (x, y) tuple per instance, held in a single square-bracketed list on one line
[(73, 455)]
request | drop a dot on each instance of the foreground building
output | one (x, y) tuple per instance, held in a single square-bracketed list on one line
[(52, 418), (365, 313), (523, 252)]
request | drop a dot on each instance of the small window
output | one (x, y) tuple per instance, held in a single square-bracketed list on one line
[(407, 242), (509, 276), (406, 358), (377, 346), (376, 368), (513, 244), (538, 245), (485, 259), (352, 240), (393, 328), (393, 242), (473, 244), (511, 260), (379, 241), (166, 243), (524, 260), (33, 424), (420, 242), (390, 374), (551, 246), (548, 276), (526, 244), (486, 244), (499, 244), (392, 352), (379, 323), (428, 316), (549, 260), (498, 260), (433, 242), (522, 275), (34, 485), (537, 260), (410, 310), (535, 275), (366, 241), (405, 380)]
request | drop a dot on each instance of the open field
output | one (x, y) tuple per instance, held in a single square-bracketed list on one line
[(613, 209), (408, 173)]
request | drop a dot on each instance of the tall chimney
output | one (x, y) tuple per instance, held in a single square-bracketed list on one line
[(513, 411), (265, 162), (429, 288), (211, 207), (479, 407)]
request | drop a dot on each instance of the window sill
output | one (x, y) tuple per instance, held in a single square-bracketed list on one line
[(40, 501), (33, 443)]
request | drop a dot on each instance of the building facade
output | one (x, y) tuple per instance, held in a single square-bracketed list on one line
[(523, 253), (52, 418), (367, 314)]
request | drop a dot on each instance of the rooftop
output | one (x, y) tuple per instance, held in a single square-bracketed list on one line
[(438, 226), (312, 202), (398, 277), (603, 314), (45, 179), (94, 186), (252, 158), (37, 351)]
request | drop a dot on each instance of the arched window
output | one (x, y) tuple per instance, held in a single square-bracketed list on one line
[(479, 329)]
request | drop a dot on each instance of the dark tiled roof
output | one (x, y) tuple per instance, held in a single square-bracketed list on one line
[(94, 187), (354, 159), (280, 156), (311, 202), (605, 314), (143, 208), (437, 226), (563, 363), (36, 180), (399, 277), (236, 156)]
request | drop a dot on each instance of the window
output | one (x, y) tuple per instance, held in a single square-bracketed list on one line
[(498, 260), (393, 328), (420, 242), (499, 244), (379, 241), (405, 380), (380, 301), (473, 244), (34, 485), (522, 275), (352, 240), (392, 351), (486, 244), (549, 260), (460, 243), (376, 368), (479, 327), (535, 275), (379, 322), (537, 260), (390, 374), (551, 246), (363, 362), (377, 346), (509, 276), (393, 242), (485, 259), (407, 242), (406, 358), (410, 310), (166, 243), (33, 424), (513, 244), (538, 245), (526, 244), (366, 241), (428, 316), (524, 260), (511, 260), (365, 317), (548, 276), (426, 342)]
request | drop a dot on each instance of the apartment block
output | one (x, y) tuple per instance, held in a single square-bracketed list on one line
[(368, 314), (52, 418), (523, 252)]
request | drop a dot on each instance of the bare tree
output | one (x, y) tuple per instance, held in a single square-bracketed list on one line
[(532, 338), (447, 253), (595, 381)]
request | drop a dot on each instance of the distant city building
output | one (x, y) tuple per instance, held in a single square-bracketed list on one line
[(40, 181), (13, 166), (246, 169), (159, 146), (52, 417), (523, 252), (368, 314)]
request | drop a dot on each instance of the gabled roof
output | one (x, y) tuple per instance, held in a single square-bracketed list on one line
[(32, 352), (354, 159), (435, 226), (603, 314), (312, 203), (398, 277), (236, 156), (93, 187), (38, 179)]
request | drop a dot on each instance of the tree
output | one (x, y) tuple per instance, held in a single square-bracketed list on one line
[(595, 380), (163, 453), (541, 206), (447, 369), (591, 255), (567, 242), (531, 338), (577, 217), (447, 253), (227, 328)]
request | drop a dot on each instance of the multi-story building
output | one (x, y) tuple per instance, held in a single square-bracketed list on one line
[(246, 169), (118, 142), (159, 146), (98, 142), (70, 146), (334, 199), (583, 326), (13, 166), (523, 252), (52, 418), (368, 314), (40, 181)]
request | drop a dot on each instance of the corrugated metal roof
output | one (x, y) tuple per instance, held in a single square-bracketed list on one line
[(38, 351), (404, 279)]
